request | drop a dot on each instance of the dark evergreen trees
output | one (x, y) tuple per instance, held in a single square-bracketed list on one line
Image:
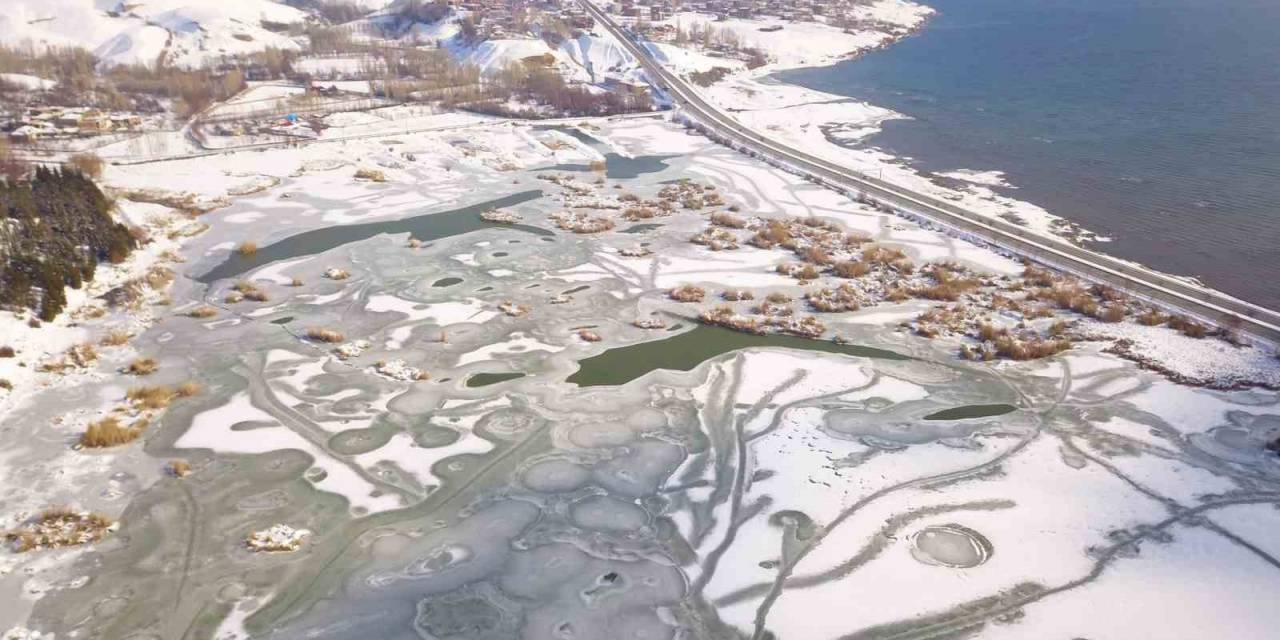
[(54, 229)]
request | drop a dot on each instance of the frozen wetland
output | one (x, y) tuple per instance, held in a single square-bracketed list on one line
[(469, 463)]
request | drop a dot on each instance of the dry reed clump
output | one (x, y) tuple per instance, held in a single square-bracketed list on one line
[(496, 216), (58, 527), (128, 295), (716, 239), (650, 323), (728, 220), (877, 254), (1152, 317), (78, 356), (158, 277), (903, 266), (778, 297), (841, 298), (1108, 293), (588, 335), (687, 293), (109, 432), (89, 312), (725, 316), (202, 312), (513, 309), (1002, 343), (634, 252), (5, 384), (115, 338), (349, 350), (169, 255), (1032, 348), (806, 272), (1037, 277), (151, 397), (855, 239), (1059, 329), (942, 320), (247, 248), (1027, 309), (178, 468), (399, 370), (736, 295), (1067, 295), (771, 308), (683, 190), (579, 222), (142, 367), (1113, 312), (187, 389), (372, 175), (7, 351), (805, 327), (949, 283), (634, 214), (895, 292), (321, 334), (1188, 327), (851, 268), (83, 354), (247, 291), (295, 282), (814, 254), (775, 233), (278, 539)]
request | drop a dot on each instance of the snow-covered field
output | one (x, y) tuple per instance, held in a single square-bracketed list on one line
[(186, 33), (827, 460)]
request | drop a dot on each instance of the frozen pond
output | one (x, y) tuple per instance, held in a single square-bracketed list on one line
[(515, 431), (950, 546)]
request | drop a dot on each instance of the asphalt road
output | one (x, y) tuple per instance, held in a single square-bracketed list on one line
[(1166, 290)]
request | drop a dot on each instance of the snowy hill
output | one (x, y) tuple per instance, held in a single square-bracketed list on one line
[(187, 33)]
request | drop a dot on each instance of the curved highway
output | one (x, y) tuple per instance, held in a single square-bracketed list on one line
[(1170, 291)]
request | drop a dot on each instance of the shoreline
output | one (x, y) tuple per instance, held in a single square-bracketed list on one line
[(837, 126), (1113, 195)]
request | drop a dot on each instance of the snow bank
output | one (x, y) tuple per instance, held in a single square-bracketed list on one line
[(30, 83), (492, 56), (185, 32)]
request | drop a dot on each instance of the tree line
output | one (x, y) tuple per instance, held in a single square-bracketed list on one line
[(55, 227)]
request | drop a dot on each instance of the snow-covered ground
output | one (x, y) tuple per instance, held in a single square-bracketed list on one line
[(28, 82), (187, 33), (830, 125)]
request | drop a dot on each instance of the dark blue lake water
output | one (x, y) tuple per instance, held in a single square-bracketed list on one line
[(1156, 122)]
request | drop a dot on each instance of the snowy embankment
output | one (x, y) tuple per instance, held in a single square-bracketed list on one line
[(186, 33), (27, 82), (832, 126), (87, 318)]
